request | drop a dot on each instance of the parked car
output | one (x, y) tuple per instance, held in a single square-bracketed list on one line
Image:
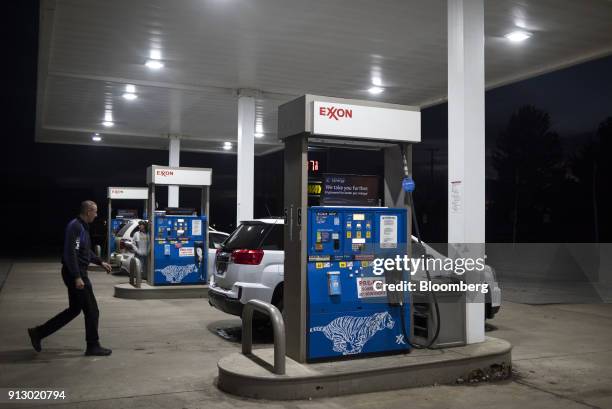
[(121, 258), (250, 265)]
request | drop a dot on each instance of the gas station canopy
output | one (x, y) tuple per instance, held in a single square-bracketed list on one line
[(138, 71)]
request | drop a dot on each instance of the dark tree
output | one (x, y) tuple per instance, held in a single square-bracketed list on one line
[(529, 165)]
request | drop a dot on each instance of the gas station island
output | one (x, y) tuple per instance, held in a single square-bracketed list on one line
[(332, 310)]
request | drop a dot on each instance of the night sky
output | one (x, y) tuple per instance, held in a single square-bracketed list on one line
[(44, 183)]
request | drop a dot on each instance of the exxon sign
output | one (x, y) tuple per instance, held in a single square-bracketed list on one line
[(332, 112), (163, 172)]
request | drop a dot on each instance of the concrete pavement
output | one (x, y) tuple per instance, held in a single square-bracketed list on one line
[(165, 354)]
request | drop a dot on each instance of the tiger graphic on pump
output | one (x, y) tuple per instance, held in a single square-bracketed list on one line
[(350, 334)]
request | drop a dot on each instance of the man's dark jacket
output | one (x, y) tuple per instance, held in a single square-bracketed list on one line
[(77, 249)]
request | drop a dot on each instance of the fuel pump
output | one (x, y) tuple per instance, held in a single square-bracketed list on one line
[(349, 312), (335, 304), (114, 224), (178, 247), (178, 236)]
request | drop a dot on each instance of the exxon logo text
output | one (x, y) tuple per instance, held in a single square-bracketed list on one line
[(164, 172), (335, 113)]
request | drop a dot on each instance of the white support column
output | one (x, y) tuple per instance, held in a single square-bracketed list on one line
[(466, 140), (246, 158), (174, 159)]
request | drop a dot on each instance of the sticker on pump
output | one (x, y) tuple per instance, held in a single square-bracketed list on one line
[(365, 287), (186, 252), (388, 232), (196, 227)]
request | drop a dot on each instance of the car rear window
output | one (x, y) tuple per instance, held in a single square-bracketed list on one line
[(275, 238), (255, 236)]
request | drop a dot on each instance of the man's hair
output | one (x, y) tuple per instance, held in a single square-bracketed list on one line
[(86, 206)]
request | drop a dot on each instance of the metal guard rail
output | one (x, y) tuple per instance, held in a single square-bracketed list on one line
[(278, 327)]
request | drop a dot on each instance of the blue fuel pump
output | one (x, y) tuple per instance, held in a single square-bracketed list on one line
[(115, 226), (180, 249), (347, 314)]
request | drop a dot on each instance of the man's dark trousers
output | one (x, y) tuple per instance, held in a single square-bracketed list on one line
[(79, 300)]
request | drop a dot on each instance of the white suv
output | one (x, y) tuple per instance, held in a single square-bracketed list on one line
[(250, 266)]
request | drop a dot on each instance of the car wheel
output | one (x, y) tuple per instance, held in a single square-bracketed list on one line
[(277, 297), (488, 311)]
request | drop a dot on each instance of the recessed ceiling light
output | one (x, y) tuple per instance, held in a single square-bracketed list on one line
[(129, 96), (227, 146), (375, 90), (154, 64), (108, 119), (259, 132), (130, 88), (518, 36), (154, 61), (96, 137)]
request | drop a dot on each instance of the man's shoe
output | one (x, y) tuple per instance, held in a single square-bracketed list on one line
[(35, 339), (98, 350)]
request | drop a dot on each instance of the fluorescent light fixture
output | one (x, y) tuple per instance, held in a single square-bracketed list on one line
[(129, 96), (227, 146), (96, 138), (376, 81), (154, 64), (130, 88), (259, 134), (375, 90), (108, 119), (518, 36)]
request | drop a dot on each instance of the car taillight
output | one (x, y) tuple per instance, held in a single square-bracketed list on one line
[(244, 256)]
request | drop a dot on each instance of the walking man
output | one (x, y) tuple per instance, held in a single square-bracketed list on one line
[(75, 260)]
